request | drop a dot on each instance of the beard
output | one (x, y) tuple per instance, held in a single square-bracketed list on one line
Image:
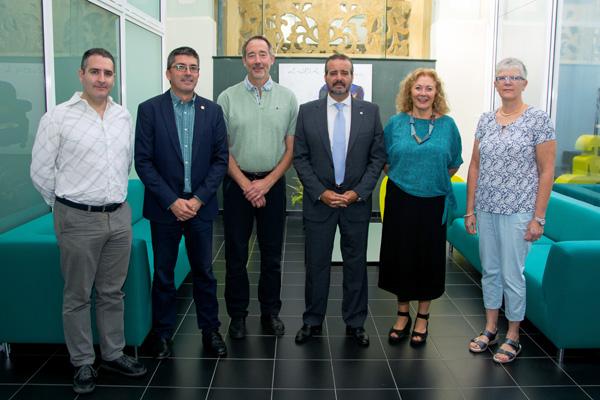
[(339, 91)]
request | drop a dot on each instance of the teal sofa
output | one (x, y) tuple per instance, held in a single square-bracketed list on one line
[(588, 193), (562, 270), (31, 283)]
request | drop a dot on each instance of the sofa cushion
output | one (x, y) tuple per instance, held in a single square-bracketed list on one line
[(588, 193), (135, 198), (571, 219)]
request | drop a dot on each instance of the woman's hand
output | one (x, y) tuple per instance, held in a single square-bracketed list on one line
[(471, 224), (534, 231)]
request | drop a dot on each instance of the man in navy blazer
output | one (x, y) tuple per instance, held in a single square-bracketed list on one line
[(338, 154), (181, 157)]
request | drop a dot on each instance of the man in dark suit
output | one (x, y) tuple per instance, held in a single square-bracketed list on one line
[(338, 154), (181, 157)]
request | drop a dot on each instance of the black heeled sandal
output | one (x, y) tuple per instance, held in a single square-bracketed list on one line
[(400, 333), (422, 335)]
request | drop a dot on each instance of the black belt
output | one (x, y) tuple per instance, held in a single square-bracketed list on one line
[(255, 175), (85, 207)]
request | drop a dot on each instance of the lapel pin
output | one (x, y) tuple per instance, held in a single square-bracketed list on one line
[(202, 108), (361, 113)]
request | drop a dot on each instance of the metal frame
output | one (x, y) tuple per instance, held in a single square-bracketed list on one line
[(48, 42), (125, 12)]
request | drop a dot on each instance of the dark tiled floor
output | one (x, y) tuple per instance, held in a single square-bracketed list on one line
[(332, 366)]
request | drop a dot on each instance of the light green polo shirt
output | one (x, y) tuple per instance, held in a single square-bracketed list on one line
[(257, 127)]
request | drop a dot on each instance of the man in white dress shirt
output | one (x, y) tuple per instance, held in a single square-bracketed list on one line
[(80, 164)]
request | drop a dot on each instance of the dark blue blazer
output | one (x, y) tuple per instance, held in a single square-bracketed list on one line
[(159, 162)]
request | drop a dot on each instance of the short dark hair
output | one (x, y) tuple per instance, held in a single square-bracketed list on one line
[(181, 51), (339, 56), (96, 51), (257, 37)]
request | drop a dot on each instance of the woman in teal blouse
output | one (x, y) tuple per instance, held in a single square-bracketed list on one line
[(423, 151)]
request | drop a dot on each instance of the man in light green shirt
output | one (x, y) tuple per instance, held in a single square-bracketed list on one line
[(261, 120)]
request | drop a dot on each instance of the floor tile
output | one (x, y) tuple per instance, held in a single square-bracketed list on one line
[(303, 374), (7, 390), (430, 394), (246, 394), (50, 392), (345, 347), (404, 351), (453, 347), (293, 278), (19, 369), (371, 394), (464, 291), (184, 372), (58, 370), (320, 394), (243, 374), (537, 372), (373, 374), (316, 348), (422, 374), (292, 292), (459, 278), (114, 393), (443, 307), (480, 372), (592, 391), (470, 306), (174, 393), (512, 393), (251, 347), (450, 326), (583, 371), (555, 393)]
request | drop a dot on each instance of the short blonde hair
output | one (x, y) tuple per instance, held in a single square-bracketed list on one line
[(404, 101)]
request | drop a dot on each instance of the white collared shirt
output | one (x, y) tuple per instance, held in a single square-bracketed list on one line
[(332, 112), (82, 157)]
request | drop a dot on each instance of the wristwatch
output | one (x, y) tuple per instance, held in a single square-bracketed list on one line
[(541, 221)]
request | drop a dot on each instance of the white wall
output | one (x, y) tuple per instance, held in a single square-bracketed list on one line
[(186, 26), (462, 45)]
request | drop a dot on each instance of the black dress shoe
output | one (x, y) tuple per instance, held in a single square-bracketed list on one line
[(359, 334), (162, 348), (307, 332), (214, 343), (125, 365), (84, 380), (272, 324), (237, 328)]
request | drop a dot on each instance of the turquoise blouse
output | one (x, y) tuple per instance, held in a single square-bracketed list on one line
[(422, 169)]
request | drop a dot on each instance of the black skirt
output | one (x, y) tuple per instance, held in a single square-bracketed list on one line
[(412, 260)]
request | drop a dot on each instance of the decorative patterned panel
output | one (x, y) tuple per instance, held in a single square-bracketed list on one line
[(370, 28)]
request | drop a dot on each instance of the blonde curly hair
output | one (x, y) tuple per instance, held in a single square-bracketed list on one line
[(404, 101)]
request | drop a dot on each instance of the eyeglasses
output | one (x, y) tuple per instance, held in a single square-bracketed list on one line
[(509, 78), (182, 68)]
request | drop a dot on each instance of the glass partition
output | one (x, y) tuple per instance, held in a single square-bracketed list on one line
[(22, 103), (578, 96), (78, 26), (143, 69), (150, 7)]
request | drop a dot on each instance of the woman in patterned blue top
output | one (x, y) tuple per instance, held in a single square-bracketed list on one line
[(423, 151), (509, 183)]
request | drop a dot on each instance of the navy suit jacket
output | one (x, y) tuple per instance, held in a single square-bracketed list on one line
[(159, 162), (314, 163)]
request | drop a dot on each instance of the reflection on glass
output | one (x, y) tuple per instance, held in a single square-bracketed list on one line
[(21, 107), (578, 100), (78, 26)]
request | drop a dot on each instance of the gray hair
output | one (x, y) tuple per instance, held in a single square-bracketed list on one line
[(512, 63)]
